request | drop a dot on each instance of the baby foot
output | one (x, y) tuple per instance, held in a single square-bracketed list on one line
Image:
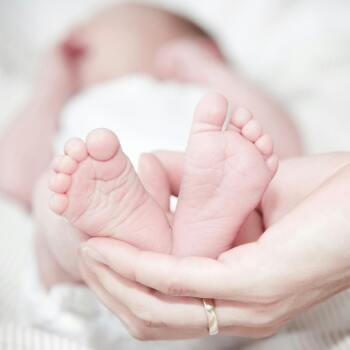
[(226, 174), (97, 190)]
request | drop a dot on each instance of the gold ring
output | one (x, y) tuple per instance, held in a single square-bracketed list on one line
[(209, 307)]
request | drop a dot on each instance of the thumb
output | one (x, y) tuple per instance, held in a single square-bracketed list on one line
[(173, 164), (154, 179)]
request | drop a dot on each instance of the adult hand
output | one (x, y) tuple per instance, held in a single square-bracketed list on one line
[(298, 262)]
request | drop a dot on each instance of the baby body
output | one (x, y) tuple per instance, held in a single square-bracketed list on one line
[(91, 57), (226, 171)]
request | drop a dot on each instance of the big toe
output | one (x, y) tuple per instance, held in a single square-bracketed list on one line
[(211, 111), (102, 144)]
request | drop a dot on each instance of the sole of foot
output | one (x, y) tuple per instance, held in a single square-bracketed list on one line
[(226, 173), (96, 189)]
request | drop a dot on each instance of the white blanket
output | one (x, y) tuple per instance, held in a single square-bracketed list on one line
[(146, 114)]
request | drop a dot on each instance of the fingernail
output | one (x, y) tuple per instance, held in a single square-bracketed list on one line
[(93, 254)]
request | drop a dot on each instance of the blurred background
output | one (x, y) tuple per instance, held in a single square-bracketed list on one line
[(298, 51)]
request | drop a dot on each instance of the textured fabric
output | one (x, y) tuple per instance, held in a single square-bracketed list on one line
[(15, 337)]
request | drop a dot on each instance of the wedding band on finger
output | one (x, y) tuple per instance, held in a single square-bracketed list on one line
[(209, 307)]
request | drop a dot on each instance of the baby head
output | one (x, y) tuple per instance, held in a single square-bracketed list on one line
[(124, 39)]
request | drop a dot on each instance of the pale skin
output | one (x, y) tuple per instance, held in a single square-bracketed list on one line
[(143, 327), (300, 260), (127, 285), (57, 237), (96, 189)]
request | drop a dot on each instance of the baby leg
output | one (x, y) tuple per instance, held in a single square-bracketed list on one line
[(195, 61)]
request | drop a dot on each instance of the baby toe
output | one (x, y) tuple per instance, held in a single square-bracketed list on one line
[(64, 164), (58, 203), (76, 149), (241, 117), (60, 183), (265, 145), (68, 165), (252, 130)]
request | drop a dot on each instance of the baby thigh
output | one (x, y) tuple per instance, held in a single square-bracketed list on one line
[(296, 178)]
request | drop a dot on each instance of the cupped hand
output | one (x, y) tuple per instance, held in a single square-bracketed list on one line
[(298, 262)]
